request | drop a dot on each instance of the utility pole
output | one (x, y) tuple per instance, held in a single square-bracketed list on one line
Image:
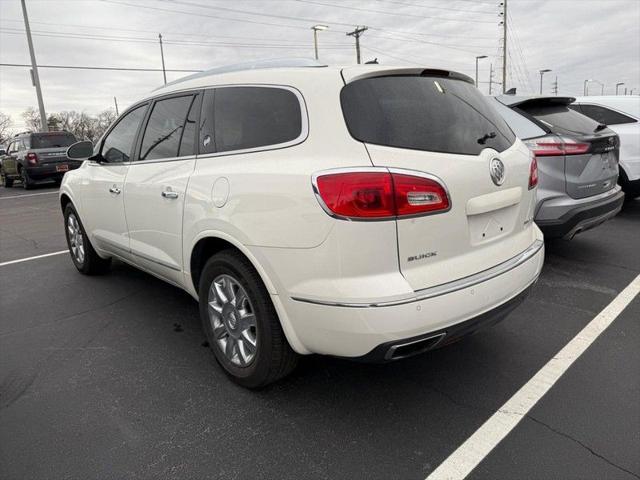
[(356, 34), (490, 77), (617, 85), (504, 47), (555, 86), (478, 58), (115, 101), (34, 70), (164, 73)]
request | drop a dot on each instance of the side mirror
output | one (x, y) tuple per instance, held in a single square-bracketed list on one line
[(80, 150)]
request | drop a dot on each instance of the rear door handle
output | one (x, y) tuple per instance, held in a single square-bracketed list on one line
[(169, 193), (115, 190)]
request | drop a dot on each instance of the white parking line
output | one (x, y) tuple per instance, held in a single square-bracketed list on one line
[(29, 195), (20, 260), (468, 455)]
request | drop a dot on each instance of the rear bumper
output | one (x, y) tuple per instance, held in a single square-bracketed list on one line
[(396, 350), (582, 217), (369, 331), (49, 171)]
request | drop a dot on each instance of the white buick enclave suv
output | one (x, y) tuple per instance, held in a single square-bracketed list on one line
[(364, 212)]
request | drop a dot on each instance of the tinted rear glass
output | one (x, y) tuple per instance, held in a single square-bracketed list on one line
[(52, 140), (561, 118), (423, 113), (603, 115)]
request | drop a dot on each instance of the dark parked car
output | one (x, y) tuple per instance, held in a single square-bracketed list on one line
[(36, 157)]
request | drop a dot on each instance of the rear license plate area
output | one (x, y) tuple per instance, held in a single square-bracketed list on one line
[(62, 168)]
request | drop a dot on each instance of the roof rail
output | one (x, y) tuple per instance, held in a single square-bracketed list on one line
[(238, 67)]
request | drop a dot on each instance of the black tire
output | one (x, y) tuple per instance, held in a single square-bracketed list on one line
[(631, 189), (273, 358), (6, 181), (91, 263), (27, 184)]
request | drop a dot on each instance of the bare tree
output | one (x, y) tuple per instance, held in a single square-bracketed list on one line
[(31, 119), (5, 127), (81, 124)]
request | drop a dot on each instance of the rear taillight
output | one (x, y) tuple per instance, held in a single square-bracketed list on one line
[(32, 158), (380, 194), (418, 195), (554, 146), (533, 172)]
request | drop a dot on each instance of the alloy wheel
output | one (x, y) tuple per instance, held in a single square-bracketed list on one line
[(76, 239), (233, 320)]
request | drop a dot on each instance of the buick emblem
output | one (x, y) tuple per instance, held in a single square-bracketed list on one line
[(496, 170)]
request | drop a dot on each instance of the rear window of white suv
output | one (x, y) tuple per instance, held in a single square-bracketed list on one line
[(431, 113)]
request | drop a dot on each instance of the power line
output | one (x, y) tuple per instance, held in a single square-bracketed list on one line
[(381, 52), (170, 42), (431, 7), (93, 28), (200, 15), (399, 14), (82, 67)]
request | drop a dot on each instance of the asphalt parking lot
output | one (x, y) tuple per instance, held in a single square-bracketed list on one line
[(107, 377)]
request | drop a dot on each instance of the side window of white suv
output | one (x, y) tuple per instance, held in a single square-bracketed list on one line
[(166, 128), (118, 144), (244, 118)]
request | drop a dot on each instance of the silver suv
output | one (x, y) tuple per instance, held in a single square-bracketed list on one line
[(577, 163)]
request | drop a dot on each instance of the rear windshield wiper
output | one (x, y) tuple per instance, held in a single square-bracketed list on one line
[(483, 139)]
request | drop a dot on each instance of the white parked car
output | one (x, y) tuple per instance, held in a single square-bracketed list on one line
[(362, 212), (621, 113)]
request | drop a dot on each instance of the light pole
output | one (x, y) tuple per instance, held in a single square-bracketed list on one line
[(617, 85), (601, 86), (586, 87), (478, 58), (542, 72), (34, 71), (315, 29), (164, 73)]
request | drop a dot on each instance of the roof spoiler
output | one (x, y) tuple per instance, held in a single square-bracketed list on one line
[(515, 101)]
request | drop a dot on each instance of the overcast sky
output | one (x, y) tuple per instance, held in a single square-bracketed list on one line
[(577, 39)]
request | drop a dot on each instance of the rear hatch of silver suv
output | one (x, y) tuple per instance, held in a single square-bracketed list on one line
[(437, 123), (584, 151)]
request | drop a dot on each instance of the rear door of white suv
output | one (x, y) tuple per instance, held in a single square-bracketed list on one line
[(157, 181), (435, 123)]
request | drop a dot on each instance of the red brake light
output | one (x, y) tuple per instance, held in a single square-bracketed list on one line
[(533, 173), (380, 194), (358, 194), (32, 158), (556, 146)]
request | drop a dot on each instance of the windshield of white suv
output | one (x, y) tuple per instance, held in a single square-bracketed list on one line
[(431, 113), (52, 140)]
